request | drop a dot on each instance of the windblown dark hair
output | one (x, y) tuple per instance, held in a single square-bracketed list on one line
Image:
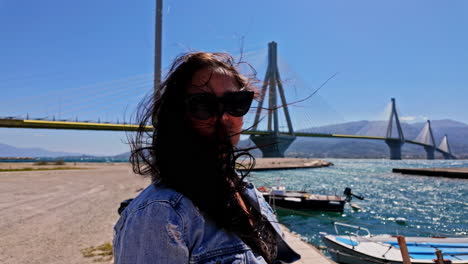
[(201, 169)]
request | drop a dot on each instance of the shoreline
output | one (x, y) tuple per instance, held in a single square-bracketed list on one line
[(53, 216), (261, 164)]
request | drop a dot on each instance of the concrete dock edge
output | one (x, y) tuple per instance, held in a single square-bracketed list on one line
[(461, 173), (309, 254)]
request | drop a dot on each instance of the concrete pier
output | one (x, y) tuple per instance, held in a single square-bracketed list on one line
[(395, 148), (263, 164), (272, 146), (430, 151), (461, 173), (309, 254)]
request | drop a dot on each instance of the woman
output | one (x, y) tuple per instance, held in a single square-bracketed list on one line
[(197, 209)]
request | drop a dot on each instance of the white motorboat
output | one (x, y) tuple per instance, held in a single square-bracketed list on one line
[(278, 196), (354, 248)]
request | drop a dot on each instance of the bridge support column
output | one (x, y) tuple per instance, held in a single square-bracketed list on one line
[(272, 146), (427, 138), (429, 152), (394, 142), (447, 156), (444, 147), (395, 149)]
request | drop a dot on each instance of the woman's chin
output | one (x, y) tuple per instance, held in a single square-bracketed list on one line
[(235, 140)]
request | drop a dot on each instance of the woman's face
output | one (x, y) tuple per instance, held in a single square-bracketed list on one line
[(216, 82)]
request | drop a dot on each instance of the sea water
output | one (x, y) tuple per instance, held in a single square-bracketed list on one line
[(394, 203)]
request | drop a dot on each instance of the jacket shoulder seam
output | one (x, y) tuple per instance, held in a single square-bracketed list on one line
[(172, 202)]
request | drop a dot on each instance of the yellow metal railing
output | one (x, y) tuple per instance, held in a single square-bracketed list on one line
[(45, 124)]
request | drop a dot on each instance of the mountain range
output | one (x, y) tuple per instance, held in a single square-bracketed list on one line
[(457, 133), (10, 151), (327, 147)]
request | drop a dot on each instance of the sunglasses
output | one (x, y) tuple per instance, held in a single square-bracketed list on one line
[(205, 105)]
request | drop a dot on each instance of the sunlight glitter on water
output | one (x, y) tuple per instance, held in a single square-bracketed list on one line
[(394, 203)]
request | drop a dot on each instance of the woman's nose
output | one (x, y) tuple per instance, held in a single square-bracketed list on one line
[(225, 117)]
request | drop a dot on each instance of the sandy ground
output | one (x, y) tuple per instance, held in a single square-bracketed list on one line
[(51, 216)]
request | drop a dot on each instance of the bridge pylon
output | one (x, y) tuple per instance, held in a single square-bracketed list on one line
[(394, 142), (273, 144), (427, 137), (444, 146)]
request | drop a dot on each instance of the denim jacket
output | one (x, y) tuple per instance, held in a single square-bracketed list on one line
[(162, 226)]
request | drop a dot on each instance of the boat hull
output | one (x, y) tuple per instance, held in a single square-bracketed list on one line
[(384, 249), (332, 205), (344, 255)]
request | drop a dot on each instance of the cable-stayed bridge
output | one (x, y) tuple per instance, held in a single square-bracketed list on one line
[(268, 136), (395, 143)]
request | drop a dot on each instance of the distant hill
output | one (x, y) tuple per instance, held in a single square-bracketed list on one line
[(10, 151), (348, 148), (122, 156)]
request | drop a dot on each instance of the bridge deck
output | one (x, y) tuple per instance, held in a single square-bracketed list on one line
[(47, 124)]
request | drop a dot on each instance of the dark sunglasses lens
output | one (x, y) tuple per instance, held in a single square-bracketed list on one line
[(202, 106), (238, 103)]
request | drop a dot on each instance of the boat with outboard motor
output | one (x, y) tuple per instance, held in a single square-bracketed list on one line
[(354, 248), (278, 196)]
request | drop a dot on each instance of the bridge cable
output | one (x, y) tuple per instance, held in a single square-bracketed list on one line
[(100, 94), (23, 99)]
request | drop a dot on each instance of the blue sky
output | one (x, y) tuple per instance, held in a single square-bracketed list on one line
[(94, 59)]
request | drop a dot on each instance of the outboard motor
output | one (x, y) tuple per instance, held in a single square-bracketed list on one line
[(349, 195)]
